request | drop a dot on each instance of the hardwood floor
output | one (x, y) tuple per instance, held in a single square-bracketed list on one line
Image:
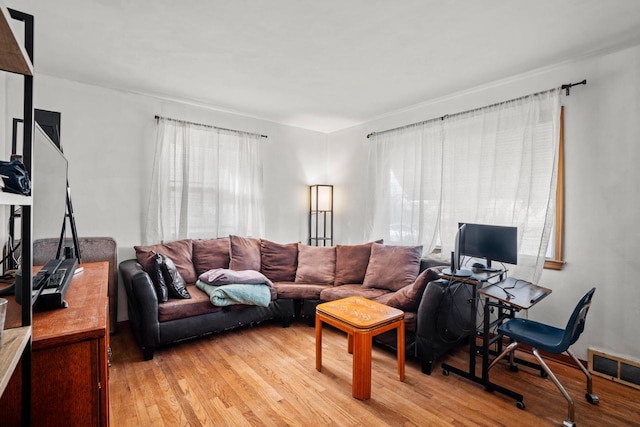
[(266, 375)]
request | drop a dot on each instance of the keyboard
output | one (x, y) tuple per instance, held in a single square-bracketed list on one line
[(52, 295), (42, 277), (39, 280), (56, 279)]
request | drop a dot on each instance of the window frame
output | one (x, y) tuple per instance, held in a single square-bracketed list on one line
[(557, 262)]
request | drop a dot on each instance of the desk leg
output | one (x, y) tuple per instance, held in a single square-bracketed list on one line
[(361, 387), (485, 341), (471, 372), (400, 345), (318, 343)]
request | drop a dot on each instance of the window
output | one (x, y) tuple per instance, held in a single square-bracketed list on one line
[(494, 165), (207, 182)]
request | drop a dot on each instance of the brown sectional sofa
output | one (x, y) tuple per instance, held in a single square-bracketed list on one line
[(437, 314)]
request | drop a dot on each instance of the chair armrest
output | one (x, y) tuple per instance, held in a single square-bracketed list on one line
[(428, 309), (142, 303), (444, 318)]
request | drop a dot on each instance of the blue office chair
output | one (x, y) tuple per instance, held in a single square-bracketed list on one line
[(552, 340)]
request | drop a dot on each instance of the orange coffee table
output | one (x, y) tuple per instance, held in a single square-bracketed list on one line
[(361, 319)]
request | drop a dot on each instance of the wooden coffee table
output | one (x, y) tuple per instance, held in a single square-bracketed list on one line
[(361, 319)]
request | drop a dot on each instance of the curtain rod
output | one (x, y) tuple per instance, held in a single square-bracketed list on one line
[(563, 87), (207, 126)]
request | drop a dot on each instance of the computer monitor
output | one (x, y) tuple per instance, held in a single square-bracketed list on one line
[(491, 242), (456, 267)]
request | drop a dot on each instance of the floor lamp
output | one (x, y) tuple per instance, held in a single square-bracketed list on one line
[(321, 215)]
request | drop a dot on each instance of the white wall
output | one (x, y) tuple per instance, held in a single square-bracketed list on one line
[(108, 137), (602, 238)]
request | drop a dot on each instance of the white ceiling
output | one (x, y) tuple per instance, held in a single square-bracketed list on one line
[(317, 64)]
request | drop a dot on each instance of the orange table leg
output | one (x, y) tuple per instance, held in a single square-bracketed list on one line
[(400, 345), (318, 343), (361, 387)]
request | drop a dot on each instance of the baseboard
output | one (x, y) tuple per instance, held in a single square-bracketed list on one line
[(615, 368), (122, 324)]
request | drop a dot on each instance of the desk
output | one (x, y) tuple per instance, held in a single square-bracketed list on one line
[(477, 281), (361, 319), (508, 296), (69, 357)]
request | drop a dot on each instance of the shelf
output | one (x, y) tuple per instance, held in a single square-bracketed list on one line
[(13, 57), (14, 199), (14, 341)]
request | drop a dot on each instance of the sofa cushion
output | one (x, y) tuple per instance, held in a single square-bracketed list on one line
[(304, 291), (183, 308), (174, 282), (244, 253), (210, 253), (278, 261), (392, 267), (408, 298), (337, 292), (352, 262), (155, 273), (316, 264), (180, 252)]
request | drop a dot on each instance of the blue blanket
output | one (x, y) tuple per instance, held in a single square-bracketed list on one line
[(237, 293)]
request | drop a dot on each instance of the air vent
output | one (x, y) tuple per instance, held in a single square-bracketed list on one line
[(615, 368)]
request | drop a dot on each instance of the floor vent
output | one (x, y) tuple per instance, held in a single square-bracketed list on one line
[(615, 368)]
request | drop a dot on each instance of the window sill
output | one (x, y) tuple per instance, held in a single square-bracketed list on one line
[(553, 264)]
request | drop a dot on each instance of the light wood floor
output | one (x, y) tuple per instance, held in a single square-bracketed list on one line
[(266, 375)]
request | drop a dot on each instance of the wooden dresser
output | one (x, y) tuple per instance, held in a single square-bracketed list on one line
[(70, 384)]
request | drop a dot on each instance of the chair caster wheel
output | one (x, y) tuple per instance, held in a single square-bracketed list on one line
[(445, 372), (568, 423), (513, 368), (544, 374), (520, 404), (592, 398)]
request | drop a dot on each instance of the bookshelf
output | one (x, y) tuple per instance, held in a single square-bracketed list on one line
[(16, 55)]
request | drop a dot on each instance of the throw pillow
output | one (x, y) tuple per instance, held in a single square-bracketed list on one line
[(174, 282), (352, 262), (210, 253), (392, 267), (244, 253), (180, 253), (316, 264), (408, 298), (155, 273), (278, 261)]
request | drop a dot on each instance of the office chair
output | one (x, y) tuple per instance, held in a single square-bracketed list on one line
[(552, 340)]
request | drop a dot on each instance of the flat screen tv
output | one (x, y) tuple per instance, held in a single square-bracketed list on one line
[(49, 177), (491, 242), (49, 191)]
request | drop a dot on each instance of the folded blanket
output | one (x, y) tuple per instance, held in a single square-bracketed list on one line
[(236, 293), (224, 276)]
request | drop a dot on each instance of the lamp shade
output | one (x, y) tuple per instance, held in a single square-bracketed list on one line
[(322, 197)]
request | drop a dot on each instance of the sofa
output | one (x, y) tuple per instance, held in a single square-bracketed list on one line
[(437, 313)]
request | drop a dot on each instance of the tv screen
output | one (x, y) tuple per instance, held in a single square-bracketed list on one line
[(49, 177), (491, 242)]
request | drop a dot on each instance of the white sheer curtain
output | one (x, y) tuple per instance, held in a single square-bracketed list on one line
[(498, 166), (405, 177), (206, 182)]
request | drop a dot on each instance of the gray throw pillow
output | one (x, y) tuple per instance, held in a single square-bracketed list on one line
[(174, 282), (155, 273)]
